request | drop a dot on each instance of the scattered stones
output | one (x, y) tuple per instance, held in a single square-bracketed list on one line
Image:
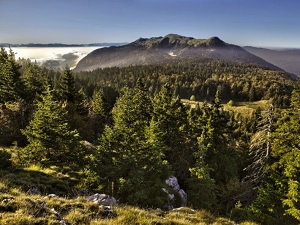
[(52, 210)]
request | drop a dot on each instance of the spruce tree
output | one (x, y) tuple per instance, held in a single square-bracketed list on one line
[(132, 166), (286, 155), (76, 104), (11, 85), (169, 126), (51, 142)]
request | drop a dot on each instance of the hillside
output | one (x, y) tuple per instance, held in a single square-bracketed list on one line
[(25, 199), (287, 59), (145, 51)]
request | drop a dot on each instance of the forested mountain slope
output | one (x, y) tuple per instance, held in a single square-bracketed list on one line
[(171, 47), (199, 77)]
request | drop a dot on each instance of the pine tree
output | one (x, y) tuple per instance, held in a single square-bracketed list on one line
[(11, 84), (215, 160), (131, 163), (169, 126), (34, 79), (51, 142), (76, 104), (286, 155), (67, 86)]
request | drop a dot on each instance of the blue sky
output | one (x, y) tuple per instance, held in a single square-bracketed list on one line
[(261, 23)]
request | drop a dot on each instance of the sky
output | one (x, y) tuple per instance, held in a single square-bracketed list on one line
[(259, 23)]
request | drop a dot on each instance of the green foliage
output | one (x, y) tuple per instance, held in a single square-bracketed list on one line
[(201, 78), (13, 117), (286, 148), (50, 140), (67, 86), (132, 164), (35, 79), (169, 128), (5, 159), (11, 84)]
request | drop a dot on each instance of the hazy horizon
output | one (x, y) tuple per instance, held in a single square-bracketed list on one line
[(58, 56)]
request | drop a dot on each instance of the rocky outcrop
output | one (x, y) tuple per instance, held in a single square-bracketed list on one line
[(176, 191)]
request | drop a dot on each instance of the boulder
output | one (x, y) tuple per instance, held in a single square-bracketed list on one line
[(173, 183), (103, 199)]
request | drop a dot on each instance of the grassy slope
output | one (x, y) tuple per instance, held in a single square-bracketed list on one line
[(20, 206)]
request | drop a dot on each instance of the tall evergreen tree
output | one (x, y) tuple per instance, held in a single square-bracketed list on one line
[(76, 103), (285, 170), (169, 125), (216, 159), (51, 142), (130, 161), (67, 86), (35, 80), (11, 85)]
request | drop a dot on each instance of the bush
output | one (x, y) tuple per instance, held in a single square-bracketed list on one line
[(5, 159)]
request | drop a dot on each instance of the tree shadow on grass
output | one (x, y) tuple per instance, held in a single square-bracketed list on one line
[(40, 182)]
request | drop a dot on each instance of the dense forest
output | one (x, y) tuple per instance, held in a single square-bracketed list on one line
[(126, 130), (201, 78)]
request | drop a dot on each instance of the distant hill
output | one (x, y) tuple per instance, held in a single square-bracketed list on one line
[(145, 51), (53, 45), (287, 59)]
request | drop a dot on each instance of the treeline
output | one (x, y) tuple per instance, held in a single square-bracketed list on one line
[(199, 78), (127, 142)]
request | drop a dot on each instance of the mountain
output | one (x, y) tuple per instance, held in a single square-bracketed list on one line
[(145, 51), (287, 59)]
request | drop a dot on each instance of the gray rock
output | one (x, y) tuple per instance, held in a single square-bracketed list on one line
[(103, 199), (173, 183)]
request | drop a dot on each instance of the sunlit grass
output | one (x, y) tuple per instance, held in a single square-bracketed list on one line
[(244, 108)]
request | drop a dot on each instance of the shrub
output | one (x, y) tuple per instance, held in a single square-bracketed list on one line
[(5, 158)]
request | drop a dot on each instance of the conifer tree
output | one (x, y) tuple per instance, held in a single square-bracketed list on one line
[(67, 86), (169, 126), (11, 85), (35, 80), (216, 161), (130, 162), (76, 103), (51, 142), (286, 155)]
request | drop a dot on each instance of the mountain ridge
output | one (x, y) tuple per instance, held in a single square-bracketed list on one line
[(145, 51), (287, 59)]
